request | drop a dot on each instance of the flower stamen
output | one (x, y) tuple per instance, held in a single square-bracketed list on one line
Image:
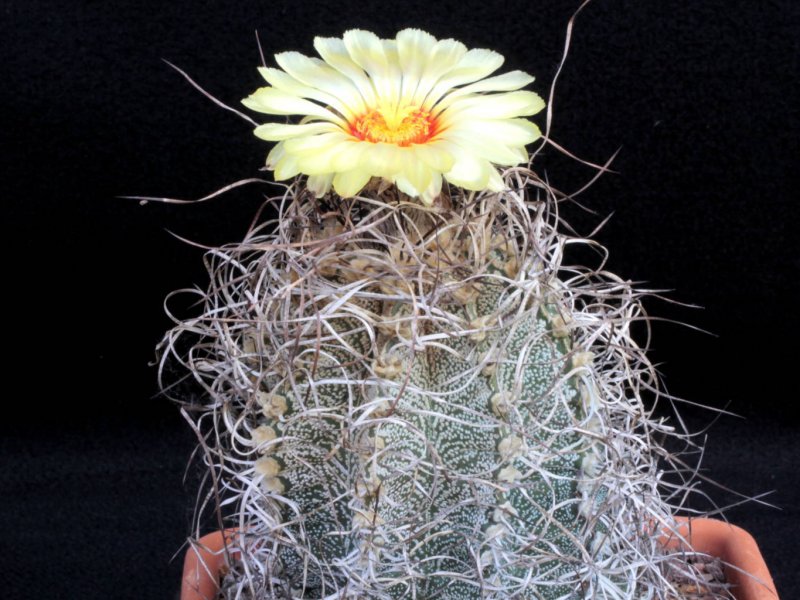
[(402, 126)]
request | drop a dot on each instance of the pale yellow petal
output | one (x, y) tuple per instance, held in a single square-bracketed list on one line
[(273, 132), (287, 167), (313, 143), (286, 83), (334, 52), (314, 73), (415, 172), (495, 183), (444, 57), (315, 154), (500, 141), (394, 75), (433, 190), (320, 184), (366, 50), (383, 160), (469, 172), (277, 152), (328, 152), (276, 102), (506, 82), (283, 81), (510, 132), (404, 185), (414, 46), (349, 183), (318, 163), (350, 155), (488, 148), (493, 106), (435, 155), (474, 65)]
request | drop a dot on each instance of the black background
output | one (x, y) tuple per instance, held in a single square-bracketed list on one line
[(699, 96)]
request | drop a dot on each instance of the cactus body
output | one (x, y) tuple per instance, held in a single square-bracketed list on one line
[(420, 405), (434, 467)]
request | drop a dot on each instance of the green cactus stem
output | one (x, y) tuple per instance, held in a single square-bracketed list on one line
[(422, 402)]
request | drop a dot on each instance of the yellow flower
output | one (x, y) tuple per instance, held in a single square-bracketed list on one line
[(411, 110)]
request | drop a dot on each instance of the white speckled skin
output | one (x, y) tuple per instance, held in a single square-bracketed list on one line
[(414, 402), (430, 490)]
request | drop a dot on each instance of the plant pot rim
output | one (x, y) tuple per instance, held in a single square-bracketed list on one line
[(743, 563), (206, 560), (205, 564)]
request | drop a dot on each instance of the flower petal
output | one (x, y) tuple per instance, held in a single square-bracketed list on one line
[(315, 74), (349, 183), (495, 183), (316, 154), (334, 52), (444, 57), (312, 143), (414, 46), (415, 172), (274, 155), (273, 132), (469, 172), (506, 82), (366, 50), (475, 64), (350, 155), (433, 190), (276, 102), (511, 132), (488, 148), (383, 160), (394, 77), (320, 184), (287, 167), (493, 106), (435, 155), (286, 83)]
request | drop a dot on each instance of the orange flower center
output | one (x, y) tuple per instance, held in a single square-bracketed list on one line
[(401, 126)]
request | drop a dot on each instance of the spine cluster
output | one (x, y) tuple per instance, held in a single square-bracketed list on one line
[(425, 402)]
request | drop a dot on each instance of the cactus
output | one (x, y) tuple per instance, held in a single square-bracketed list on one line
[(419, 399), (417, 402)]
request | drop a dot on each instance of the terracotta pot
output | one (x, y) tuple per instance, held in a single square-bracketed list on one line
[(747, 570), (205, 565)]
